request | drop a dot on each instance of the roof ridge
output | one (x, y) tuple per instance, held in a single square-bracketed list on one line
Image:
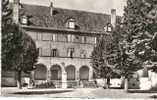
[(67, 9)]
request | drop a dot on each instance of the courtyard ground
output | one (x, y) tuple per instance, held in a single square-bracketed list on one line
[(76, 93)]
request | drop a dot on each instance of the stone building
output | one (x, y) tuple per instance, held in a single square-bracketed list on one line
[(65, 39)]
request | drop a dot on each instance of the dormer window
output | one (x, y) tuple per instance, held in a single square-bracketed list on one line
[(71, 23), (24, 20), (108, 28)]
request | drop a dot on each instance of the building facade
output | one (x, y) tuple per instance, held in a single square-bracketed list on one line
[(65, 39)]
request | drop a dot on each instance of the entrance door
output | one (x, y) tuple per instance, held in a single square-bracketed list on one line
[(56, 72), (84, 73), (54, 75)]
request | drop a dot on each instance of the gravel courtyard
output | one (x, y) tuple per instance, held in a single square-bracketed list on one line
[(78, 93)]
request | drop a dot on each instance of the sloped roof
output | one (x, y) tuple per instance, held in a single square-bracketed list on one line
[(85, 21)]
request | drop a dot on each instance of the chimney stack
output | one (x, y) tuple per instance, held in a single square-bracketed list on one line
[(16, 11), (51, 8), (113, 18)]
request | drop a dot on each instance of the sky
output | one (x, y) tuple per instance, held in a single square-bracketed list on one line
[(99, 6)]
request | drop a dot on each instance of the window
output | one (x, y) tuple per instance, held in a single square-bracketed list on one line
[(84, 39), (71, 52), (66, 37), (24, 20), (95, 40), (70, 38), (83, 54), (108, 28), (54, 53), (54, 37), (40, 51), (71, 23), (38, 36)]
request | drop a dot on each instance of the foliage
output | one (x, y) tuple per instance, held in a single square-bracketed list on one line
[(18, 49), (102, 57), (140, 24), (6, 13), (137, 38)]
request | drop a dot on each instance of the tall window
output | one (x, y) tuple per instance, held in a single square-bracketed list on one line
[(54, 37), (71, 52), (38, 36), (40, 51), (70, 38), (95, 40), (84, 39), (83, 54), (54, 53)]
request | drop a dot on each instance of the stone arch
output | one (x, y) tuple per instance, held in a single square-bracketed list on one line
[(84, 73), (56, 72), (40, 72), (71, 72)]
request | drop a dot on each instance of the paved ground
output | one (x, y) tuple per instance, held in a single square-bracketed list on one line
[(75, 93)]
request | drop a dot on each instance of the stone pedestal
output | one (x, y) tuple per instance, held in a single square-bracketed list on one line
[(90, 75), (64, 80)]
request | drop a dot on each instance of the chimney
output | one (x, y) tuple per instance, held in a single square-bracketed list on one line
[(113, 18), (51, 8), (16, 11)]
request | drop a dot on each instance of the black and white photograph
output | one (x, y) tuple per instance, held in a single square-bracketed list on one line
[(93, 49)]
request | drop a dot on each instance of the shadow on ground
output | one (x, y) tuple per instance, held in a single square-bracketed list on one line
[(40, 92), (141, 91), (153, 96), (115, 88)]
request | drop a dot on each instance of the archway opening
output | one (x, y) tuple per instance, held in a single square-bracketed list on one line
[(56, 72), (70, 72), (84, 73), (40, 72)]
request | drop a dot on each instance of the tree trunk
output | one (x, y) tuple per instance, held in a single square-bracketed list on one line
[(126, 85), (106, 83), (19, 83)]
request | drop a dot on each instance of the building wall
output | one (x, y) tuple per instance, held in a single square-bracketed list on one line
[(82, 45), (76, 62)]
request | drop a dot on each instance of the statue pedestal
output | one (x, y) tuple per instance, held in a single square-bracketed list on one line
[(64, 80)]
